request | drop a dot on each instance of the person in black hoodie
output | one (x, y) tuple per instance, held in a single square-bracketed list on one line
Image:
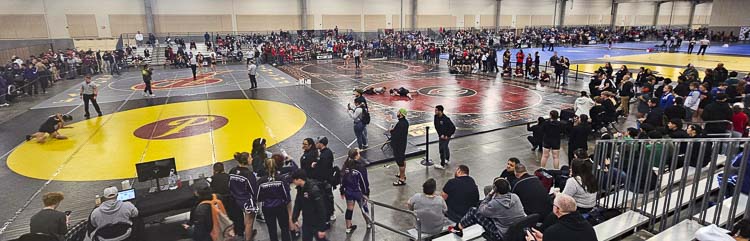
[(579, 135), (536, 134), (551, 141), (399, 134), (445, 129), (323, 173), (310, 202), (655, 116), (570, 225), (201, 222), (716, 111), (309, 155), (533, 195)]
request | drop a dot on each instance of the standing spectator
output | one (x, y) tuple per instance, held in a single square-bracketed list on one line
[(533, 195), (138, 39), (570, 225), (551, 140), (4, 92), (310, 202), (206, 38), (496, 213), (274, 195), (323, 173), (720, 74), (582, 185), (717, 111), (399, 134), (445, 129), (429, 208), (579, 135), (49, 220), (258, 156), (692, 101), (89, 92), (739, 122), (110, 212), (460, 193), (242, 186), (309, 155), (627, 92), (357, 113), (355, 188), (537, 135)]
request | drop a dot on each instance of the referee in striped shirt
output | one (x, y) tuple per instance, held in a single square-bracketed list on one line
[(89, 91)]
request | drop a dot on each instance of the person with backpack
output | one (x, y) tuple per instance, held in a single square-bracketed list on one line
[(355, 187), (445, 129), (357, 113), (201, 221), (274, 194), (323, 172)]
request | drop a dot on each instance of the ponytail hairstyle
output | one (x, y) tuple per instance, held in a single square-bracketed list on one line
[(270, 164), (351, 161), (242, 157)]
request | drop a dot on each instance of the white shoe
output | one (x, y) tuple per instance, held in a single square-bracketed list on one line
[(145, 95), (4, 105), (153, 95), (333, 217), (438, 166)]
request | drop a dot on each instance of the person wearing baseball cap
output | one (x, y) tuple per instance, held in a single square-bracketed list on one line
[(399, 134), (323, 173), (112, 211)]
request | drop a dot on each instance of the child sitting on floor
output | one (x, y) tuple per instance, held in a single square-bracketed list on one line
[(544, 77)]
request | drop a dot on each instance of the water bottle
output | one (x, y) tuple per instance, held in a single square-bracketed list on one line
[(172, 179)]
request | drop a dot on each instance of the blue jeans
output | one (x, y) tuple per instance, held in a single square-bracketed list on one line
[(359, 131)]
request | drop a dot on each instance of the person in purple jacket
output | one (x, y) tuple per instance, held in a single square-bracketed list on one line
[(242, 186), (355, 187), (274, 195)]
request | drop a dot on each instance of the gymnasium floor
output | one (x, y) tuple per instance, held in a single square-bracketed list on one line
[(205, 121)]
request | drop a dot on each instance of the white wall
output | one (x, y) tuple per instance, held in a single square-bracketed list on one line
[(370, 14)]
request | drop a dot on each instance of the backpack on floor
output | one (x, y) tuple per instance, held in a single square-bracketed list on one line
[(223, 227)]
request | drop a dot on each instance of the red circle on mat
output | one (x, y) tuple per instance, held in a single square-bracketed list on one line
[(458, 96)]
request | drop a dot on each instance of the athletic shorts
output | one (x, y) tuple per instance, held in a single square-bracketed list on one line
[(400, 158), (47, 129), (553, 146)]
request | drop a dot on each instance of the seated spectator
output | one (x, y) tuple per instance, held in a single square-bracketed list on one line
[(582, 185), (536, 134), (655, 115), (429, 208), (460, 193), (718, 110), (532, 193), (114, 215), (498, 211), (509, 173), (570, 224), (544, 77), (677, 110), (201, 221), (733, 176), (49, 220), (739, 122), (675, 129)]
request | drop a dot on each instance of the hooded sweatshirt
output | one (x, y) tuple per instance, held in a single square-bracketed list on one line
[(570, 227), (504, 209), (112, 212)]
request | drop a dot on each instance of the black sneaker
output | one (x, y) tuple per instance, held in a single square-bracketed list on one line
[(86, 116), (351, 229), (28, 137)]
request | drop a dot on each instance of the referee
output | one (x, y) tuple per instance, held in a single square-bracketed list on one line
[(89, 91)]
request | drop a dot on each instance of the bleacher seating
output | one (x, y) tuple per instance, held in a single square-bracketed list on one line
[(684, 230), (617, 226), (726, 203)]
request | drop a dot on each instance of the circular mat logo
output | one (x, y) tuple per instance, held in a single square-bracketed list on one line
[(447, 91), (200, 80), (180, 127)]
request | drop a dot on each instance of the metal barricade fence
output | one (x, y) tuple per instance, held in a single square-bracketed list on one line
[(392, 229), (660, 177)]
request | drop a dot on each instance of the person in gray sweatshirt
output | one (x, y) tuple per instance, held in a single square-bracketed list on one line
[(497, 212), (111, 211)]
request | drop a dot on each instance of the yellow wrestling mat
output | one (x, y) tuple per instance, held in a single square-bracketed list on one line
[(666, 72), (735, 63), (195, 133)]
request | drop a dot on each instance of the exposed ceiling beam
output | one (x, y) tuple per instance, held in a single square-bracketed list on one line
[(654, 1)]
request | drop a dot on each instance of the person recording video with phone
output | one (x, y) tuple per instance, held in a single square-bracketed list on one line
[(49, 220)]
